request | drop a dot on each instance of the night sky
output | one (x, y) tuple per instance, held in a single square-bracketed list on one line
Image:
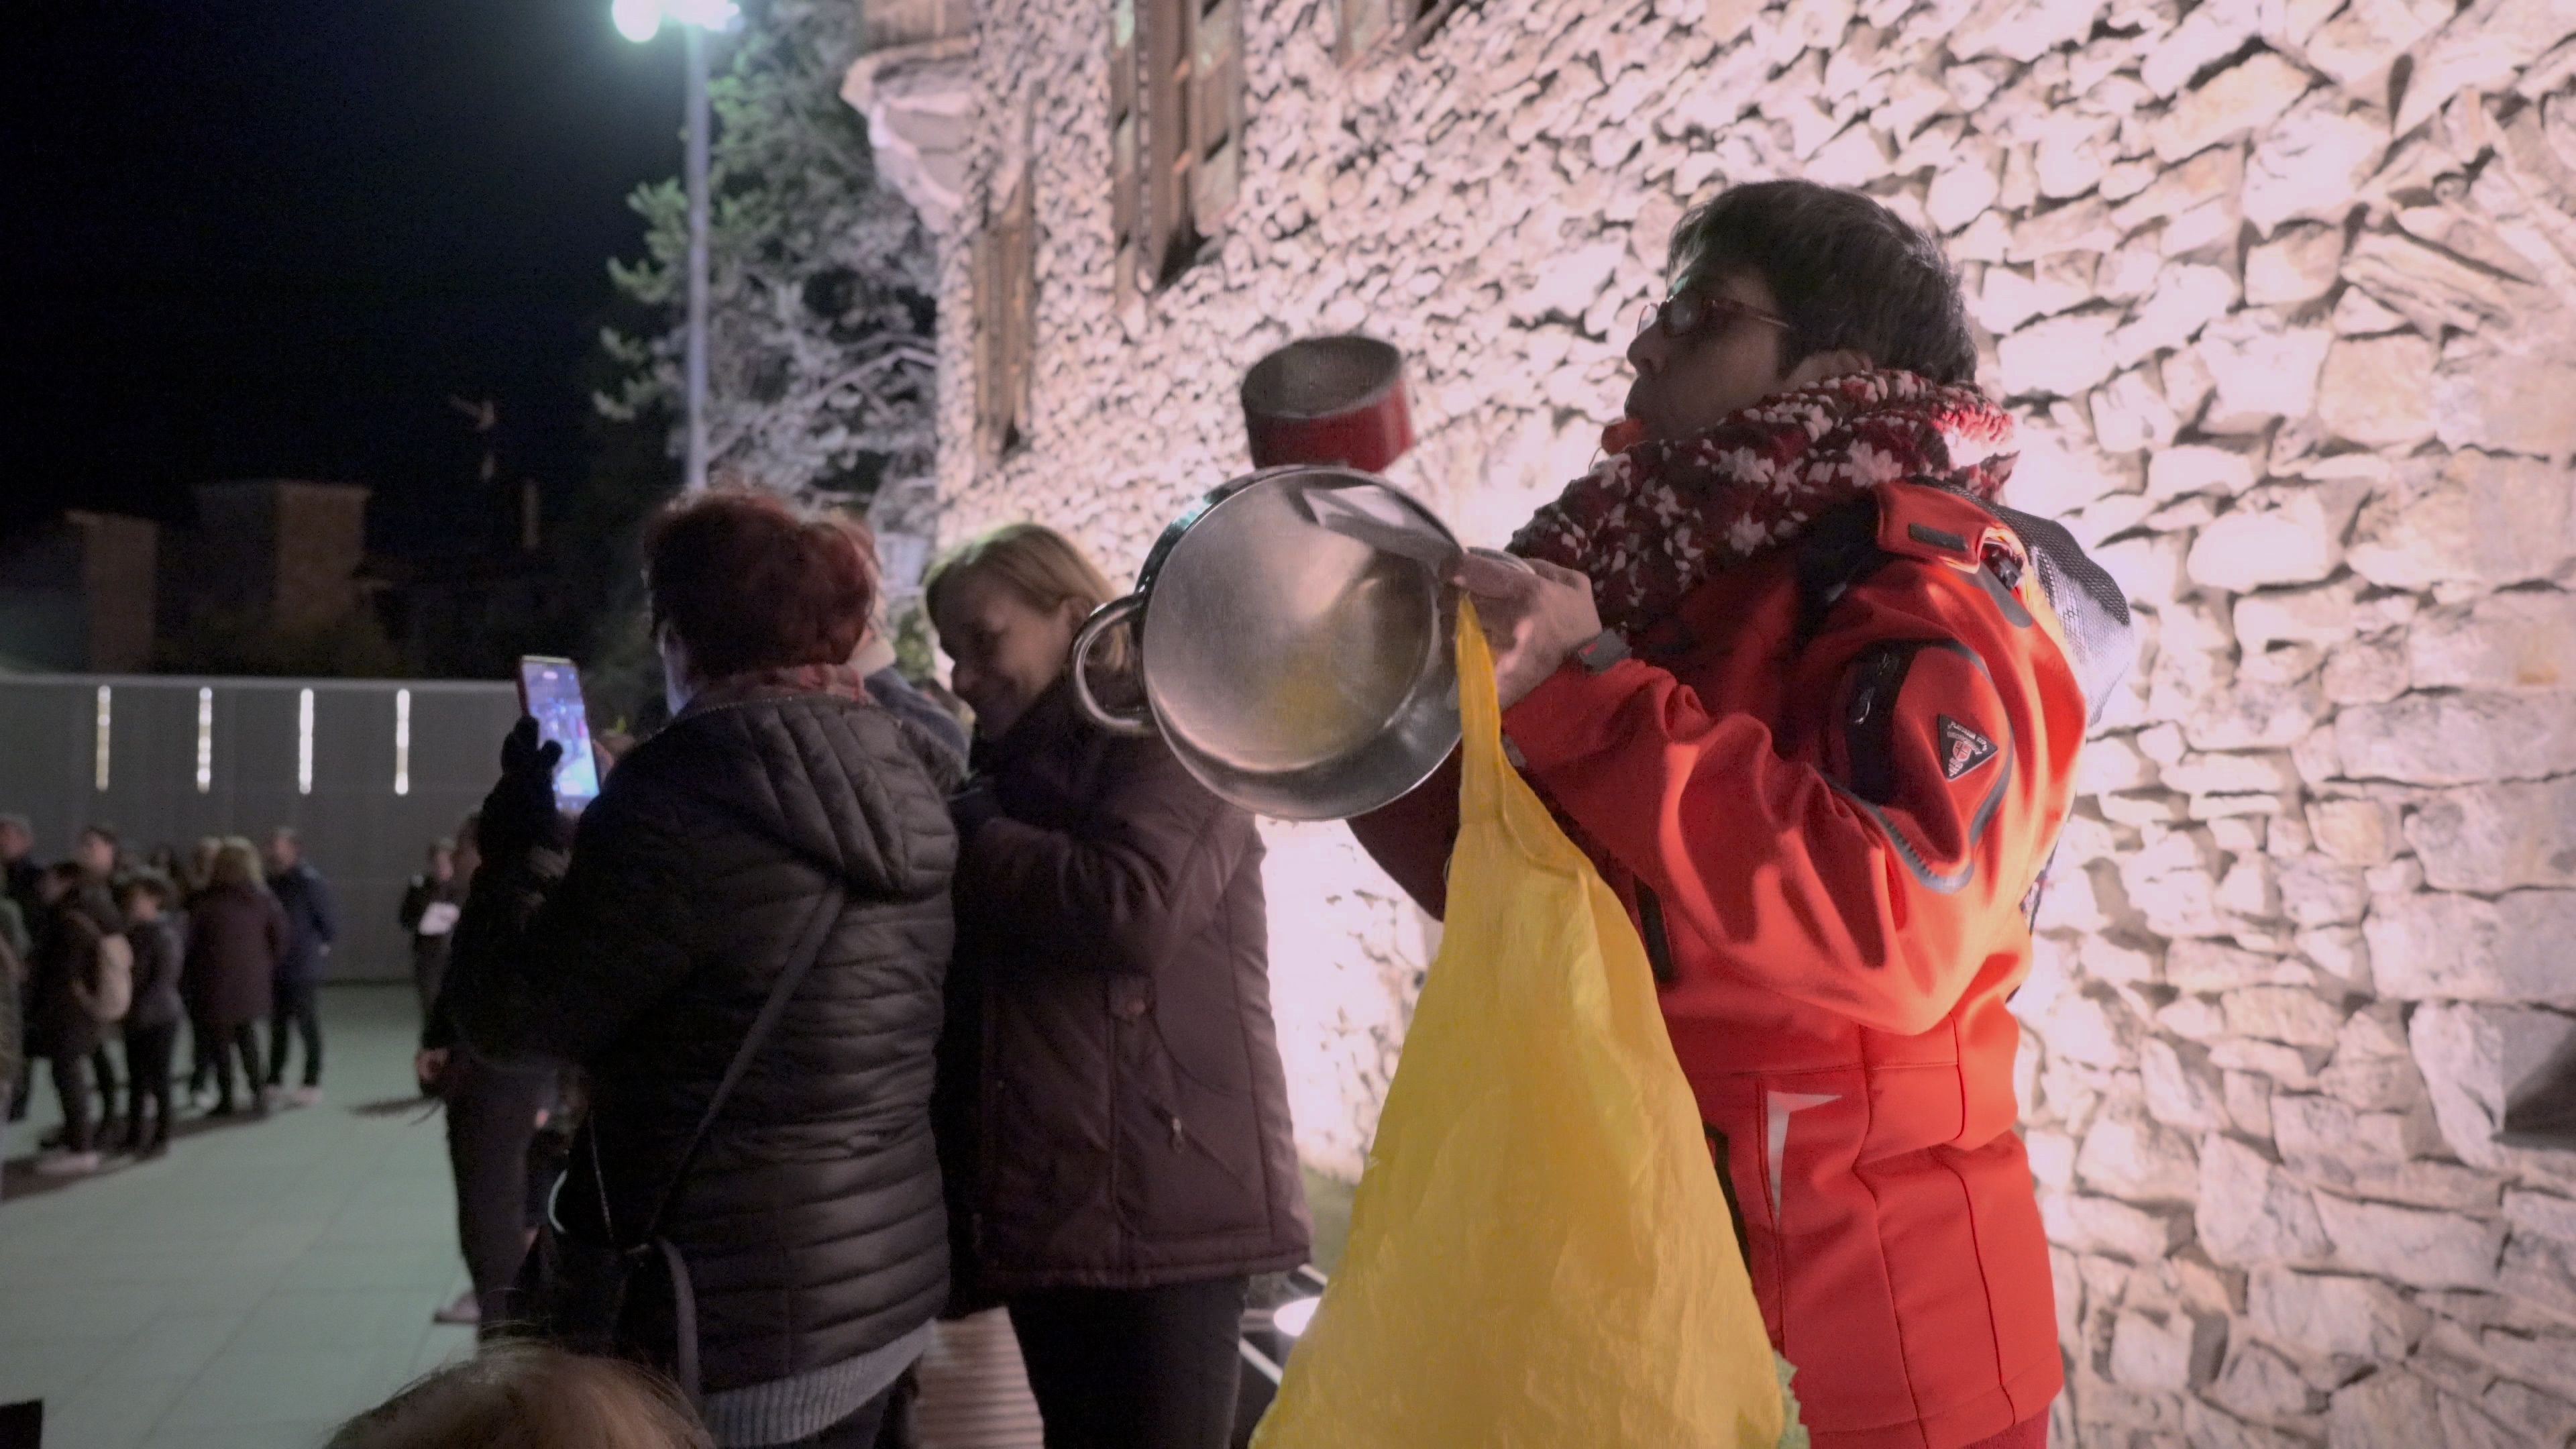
[(268, 238)]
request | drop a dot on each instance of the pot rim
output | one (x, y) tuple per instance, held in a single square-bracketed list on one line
[(1219, 778)]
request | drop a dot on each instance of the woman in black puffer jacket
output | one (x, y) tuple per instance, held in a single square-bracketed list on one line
[(811, 1221)]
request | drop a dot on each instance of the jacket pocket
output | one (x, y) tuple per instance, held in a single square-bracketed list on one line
[(1027, 1174), (1190, 1160)]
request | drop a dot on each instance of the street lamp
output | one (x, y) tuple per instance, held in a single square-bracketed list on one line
[(640, 21)]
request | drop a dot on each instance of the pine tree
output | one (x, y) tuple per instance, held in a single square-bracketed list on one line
[(821, 279)]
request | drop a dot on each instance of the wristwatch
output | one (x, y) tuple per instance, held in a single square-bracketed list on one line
[(1601, 651)]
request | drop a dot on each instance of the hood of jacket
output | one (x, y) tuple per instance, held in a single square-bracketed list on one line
[(822, 775)]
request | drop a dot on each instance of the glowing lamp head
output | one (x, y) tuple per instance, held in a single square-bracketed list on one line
[(637, 20), (705, 14)]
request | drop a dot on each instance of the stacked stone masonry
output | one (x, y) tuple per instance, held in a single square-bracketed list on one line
[(2279, 291)]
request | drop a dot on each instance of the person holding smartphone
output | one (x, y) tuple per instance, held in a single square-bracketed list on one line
[(782, 829)]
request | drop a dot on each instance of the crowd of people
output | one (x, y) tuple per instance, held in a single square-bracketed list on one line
[(859, 1042), (103, 950), (843, 1022)]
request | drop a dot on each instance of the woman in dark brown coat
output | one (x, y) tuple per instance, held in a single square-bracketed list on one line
[(1134, 1163), (236, 933)]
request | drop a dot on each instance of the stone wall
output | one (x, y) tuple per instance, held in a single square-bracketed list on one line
[(2275, 287)]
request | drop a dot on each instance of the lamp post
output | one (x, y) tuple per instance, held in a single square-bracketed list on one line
[(640, 21)]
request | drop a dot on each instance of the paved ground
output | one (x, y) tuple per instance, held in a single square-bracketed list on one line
[(254, 1287), (268, 1279)]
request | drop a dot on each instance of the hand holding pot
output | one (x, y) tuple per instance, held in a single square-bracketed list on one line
[(1534, 615)]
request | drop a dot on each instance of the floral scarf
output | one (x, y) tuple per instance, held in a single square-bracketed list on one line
[(1656, 519)]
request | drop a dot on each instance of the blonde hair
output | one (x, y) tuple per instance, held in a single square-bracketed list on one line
[(519, 1394), (1043, 567), (236, 863)]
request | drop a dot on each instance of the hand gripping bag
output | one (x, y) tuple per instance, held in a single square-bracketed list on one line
[(1540, 1253)]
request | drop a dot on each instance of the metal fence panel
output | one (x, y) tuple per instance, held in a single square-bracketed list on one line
[(364, 834)]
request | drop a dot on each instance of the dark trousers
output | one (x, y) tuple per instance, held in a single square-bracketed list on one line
[(201, 1056), (102, 1068), (148, 1053), (295, 1004), (1144, 1368), (491, 1120), (239, 1044), (71, 1087), (26, 1080)]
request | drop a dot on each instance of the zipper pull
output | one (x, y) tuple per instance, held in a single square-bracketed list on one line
[(1176, 1134), (1863, 698), (1882, 673)]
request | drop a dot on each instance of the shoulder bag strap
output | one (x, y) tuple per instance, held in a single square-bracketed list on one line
[(818, 928)]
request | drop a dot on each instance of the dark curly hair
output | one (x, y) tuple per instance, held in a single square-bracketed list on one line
[(1846, 271)]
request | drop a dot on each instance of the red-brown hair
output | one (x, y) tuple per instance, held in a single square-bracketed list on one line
[(750, 582)]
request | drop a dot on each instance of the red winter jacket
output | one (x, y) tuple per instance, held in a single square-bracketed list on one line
[(1827, 831)]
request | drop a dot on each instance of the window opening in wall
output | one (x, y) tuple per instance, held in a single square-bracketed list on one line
[(1126, 152), (205, 739), (106, 718), (304, 743), (1176, 110), (1367, 24), (1006, 291), (892, 24), (402, 741)]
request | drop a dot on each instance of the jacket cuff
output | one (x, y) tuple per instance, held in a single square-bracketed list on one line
[(1568, 716)]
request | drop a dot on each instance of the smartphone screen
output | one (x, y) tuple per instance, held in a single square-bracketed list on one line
[(550, 692)]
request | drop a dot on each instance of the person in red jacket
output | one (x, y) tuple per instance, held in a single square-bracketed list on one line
[(1811, 698)]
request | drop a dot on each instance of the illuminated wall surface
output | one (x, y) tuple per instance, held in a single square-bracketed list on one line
[(367, 772), (2279, 291)]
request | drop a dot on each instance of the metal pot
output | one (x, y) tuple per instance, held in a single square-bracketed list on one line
[(1295, 670), (1328, 400)]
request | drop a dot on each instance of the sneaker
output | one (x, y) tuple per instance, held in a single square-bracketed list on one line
[(269, 1097), (463, 1310), (68, 1164), (306, 1096)]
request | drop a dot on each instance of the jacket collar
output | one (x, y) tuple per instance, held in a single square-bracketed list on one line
[(844, 680), (1052, 723), (1047, 724)]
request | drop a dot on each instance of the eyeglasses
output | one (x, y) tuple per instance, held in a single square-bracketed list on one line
[(1690, 310)]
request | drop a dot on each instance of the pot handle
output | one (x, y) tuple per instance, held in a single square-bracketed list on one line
[(1104, 618)]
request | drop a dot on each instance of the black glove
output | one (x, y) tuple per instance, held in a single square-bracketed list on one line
[(971, 809), (520, 811)]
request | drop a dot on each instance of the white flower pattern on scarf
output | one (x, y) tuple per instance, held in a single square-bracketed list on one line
[(1653, 522)]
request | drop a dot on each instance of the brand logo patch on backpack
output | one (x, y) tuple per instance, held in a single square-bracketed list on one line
[(1962, 748)]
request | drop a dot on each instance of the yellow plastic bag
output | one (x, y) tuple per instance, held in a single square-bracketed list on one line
[(1540, 1254)]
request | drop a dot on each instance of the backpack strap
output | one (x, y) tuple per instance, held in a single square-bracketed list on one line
[(1837, 551), (1914, 519), (1925, 520), (809, 945)]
